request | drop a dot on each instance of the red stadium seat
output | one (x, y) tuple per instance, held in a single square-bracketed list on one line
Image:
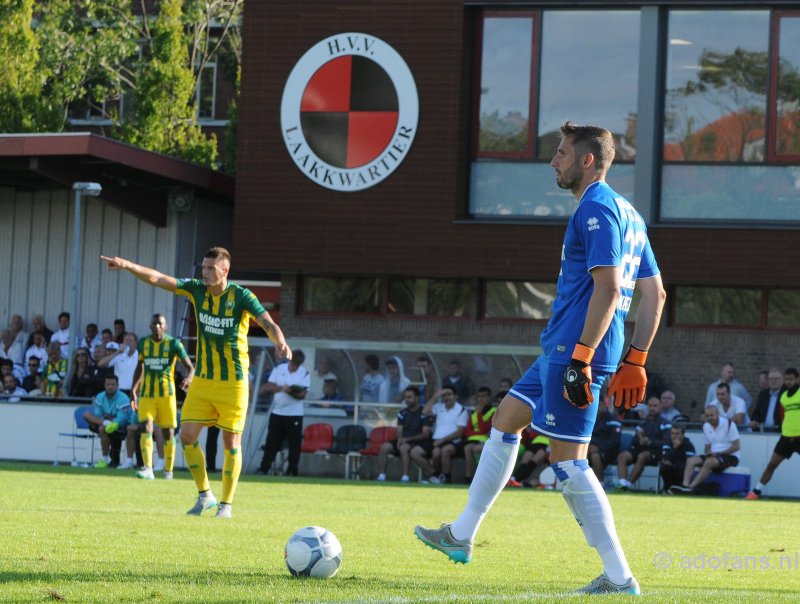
[(377, 437), (317, 437)]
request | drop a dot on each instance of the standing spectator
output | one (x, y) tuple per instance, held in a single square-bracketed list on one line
[(11, 349), (395, 383), (789, 442), (427, 378), (721, 452), (413, 428), (289, 384), (124, 361), (731, 407), (38, 324), (107, 337), (765, 411), (101, 373), (673, 460), (318, 378), (91, 340), (450, 419), (17, 326), (735, 387), (111, 411), (476, 432), (37, 348), (460, 382), (606, 438), (32, 374), (119, 331), (62, 335), (763, 380), (668, 410), (372, 380), (81, 381), (647, 445), (55, 371)]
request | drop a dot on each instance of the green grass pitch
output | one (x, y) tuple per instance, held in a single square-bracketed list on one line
[(83, 535)]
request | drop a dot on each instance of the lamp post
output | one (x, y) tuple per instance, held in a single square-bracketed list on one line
[(90, 189)]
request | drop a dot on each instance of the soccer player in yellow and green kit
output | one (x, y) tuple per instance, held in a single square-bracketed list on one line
[(154, 392), (218, 395)]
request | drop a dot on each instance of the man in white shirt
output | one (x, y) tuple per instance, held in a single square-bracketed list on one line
[(721, 452), (727, 376), (318, 378), (289, 383), (62, 335), (91, 340), (124, 361), (451, 418), (10, 348), (731, 406)]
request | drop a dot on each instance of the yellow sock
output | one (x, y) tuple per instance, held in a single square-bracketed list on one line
[(146, 442), (196, 460), (169, 454), (231, 468)]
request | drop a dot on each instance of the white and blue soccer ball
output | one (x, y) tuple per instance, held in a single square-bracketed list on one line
[(313, 551)]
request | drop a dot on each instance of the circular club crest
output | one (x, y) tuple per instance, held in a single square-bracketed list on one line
[(349, 112)]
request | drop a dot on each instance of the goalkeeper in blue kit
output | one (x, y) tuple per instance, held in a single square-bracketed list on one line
[(605, 254)]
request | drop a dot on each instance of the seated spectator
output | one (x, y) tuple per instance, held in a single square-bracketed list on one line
[(119, 331), (735, 387), (395, 382), (82, 377), (505, 384), (789, 442), (91, 340), (6, 368), (535, 449), (18, 331), (766, 408), (461, 383), (62, 335), (32, 373), (99, 374), (371, 383), (731, 407), (331, 394), (38, 348), (38, 324), (676, 453), (668, 409), (318, 378), (450, 418), (107, 337), (10, 348), (647, 445), (111, 411), (721, 452), (606, 437), (476, 432), (55, 371), (11, 389), (413, 428)]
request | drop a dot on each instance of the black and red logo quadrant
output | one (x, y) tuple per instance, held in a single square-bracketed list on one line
[(349, 111)]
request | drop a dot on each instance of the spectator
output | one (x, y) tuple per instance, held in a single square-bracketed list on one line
[(668, 410), (372, 381), (460, 382), (647, 446), (735, 387), (763, 380), (11, 349), (427, 377), (11, 389), (789, 442), (731, 407), (606, 437), (318, 378), (81, 380), (119, 331), (765, 410), (413, 428), (62, 335), (476, 432), (506, 384), (55, 371), (107, 337), (112, 411), (289, 384), (395, 383), (100, 373), (331, 394), (37, 348), (91, 340), (38, 324), (18, 331), (535, 449), (124, 361), (721, 452), (674, 457), (450, 419), (32, 373)]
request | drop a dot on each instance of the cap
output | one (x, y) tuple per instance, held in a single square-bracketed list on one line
[(112, 346)]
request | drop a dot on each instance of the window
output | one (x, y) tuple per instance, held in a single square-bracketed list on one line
[(718, 306), (533, 75), (205, 98), (782, 308), (519, 300), (430, 297), (338, 294), (785, 108)]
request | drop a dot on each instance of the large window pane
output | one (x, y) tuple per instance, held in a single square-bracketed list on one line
[(527, 190), (718, 306), (762, 193), (589, 78), (336, 294), (784, 308), (717, 74), (787, 135), (519, 300), (505, 86), (432, 297)]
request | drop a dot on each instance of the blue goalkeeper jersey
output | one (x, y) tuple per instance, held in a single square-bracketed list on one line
[(605, 230)]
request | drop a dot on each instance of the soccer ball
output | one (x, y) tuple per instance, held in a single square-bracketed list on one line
[(313, 552)]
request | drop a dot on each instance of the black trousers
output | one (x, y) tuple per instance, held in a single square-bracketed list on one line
[(290, 428)]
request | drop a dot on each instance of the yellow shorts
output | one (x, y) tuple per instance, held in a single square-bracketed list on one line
[(215, 403), (163, 410)]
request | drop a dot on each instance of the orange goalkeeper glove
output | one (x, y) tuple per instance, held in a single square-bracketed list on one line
[(578, 377), (628, 384)]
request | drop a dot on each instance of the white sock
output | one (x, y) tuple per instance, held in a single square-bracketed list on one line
[(760, 486), (494, 469), (588, 502)]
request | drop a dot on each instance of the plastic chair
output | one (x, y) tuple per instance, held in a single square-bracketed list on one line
[(349, 441), (317, 438), (80, 431), (377, 437)]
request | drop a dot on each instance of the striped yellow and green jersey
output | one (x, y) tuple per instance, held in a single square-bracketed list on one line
[(158, 362), (54, 374), (222, 325)]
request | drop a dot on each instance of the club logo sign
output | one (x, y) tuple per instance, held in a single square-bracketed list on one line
[(349, 112)]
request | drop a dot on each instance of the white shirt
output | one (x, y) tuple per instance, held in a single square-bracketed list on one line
[(124, 367), (448, 420), (282, 402), (62, 337), (721, 437), (737, 406), (737, 389), (15, 352), (36, 351)]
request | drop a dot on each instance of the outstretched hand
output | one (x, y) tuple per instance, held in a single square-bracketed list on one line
[(283, 351), (114, 264)]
